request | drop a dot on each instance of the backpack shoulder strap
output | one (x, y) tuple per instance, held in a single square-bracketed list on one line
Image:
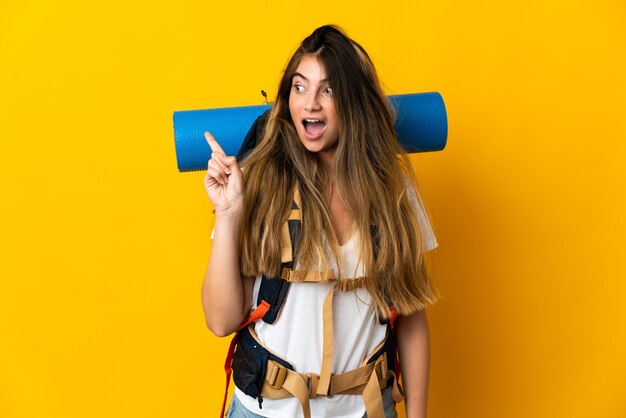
[(273, 290)]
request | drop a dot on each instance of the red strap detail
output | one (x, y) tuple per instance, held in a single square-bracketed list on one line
[(257, 314), (228, 369), (392, 316)]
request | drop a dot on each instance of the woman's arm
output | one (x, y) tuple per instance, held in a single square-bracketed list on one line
[(225, 293), (414, 353)]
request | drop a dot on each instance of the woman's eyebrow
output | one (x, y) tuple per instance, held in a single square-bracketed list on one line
[(304, 78), (299, 75)]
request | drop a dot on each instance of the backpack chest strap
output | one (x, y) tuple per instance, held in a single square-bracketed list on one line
[(291, 275), (367, 380)]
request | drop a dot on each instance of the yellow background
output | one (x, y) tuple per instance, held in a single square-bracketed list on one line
[(105, 244)]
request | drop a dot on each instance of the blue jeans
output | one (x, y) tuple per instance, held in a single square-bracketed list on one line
[(237, 410)]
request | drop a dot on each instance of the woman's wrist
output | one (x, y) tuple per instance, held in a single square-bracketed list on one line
[(232, 212), (228, 222)]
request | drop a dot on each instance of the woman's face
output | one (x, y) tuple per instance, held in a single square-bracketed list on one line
[(312, 110)]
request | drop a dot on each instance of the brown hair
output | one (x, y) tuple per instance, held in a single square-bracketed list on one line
[(371, 171)]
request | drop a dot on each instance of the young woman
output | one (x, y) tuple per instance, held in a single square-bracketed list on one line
[(327, 203)]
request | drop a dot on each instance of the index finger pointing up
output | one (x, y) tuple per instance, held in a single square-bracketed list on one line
[(215, 147)]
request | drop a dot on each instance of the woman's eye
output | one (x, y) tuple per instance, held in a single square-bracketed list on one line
[(298, 88), (329, 90)]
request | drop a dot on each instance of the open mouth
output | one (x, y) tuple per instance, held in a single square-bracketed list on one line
[(313, 127)]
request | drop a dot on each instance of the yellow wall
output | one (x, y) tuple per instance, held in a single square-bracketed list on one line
[(104, 243)]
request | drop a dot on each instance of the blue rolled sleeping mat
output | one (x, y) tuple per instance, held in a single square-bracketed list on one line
[(421, 126)]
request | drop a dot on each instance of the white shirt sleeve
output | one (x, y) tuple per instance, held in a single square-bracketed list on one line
[(428, 235)]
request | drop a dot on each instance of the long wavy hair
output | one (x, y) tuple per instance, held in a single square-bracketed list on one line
[(371, 172)]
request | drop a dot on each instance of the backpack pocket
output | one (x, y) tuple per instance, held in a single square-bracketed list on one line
[(249, 364)]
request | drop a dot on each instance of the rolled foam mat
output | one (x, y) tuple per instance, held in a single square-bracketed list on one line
[(421, 126)]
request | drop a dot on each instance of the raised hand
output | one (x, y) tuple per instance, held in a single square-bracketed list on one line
[(223, 180)]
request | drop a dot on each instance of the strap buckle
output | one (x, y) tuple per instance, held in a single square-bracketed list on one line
[(285, 273), (276, 376), (381, 369), (312, 381)]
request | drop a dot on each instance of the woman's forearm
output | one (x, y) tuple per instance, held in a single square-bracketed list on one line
[(414, 353), (222, 289)]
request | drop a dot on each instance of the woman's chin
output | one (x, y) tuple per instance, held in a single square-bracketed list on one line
[(312, 145), (317, 144)]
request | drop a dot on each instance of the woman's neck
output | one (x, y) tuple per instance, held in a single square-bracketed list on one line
[(326, 159)]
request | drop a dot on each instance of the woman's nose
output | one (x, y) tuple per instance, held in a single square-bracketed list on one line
[(312, 103)]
